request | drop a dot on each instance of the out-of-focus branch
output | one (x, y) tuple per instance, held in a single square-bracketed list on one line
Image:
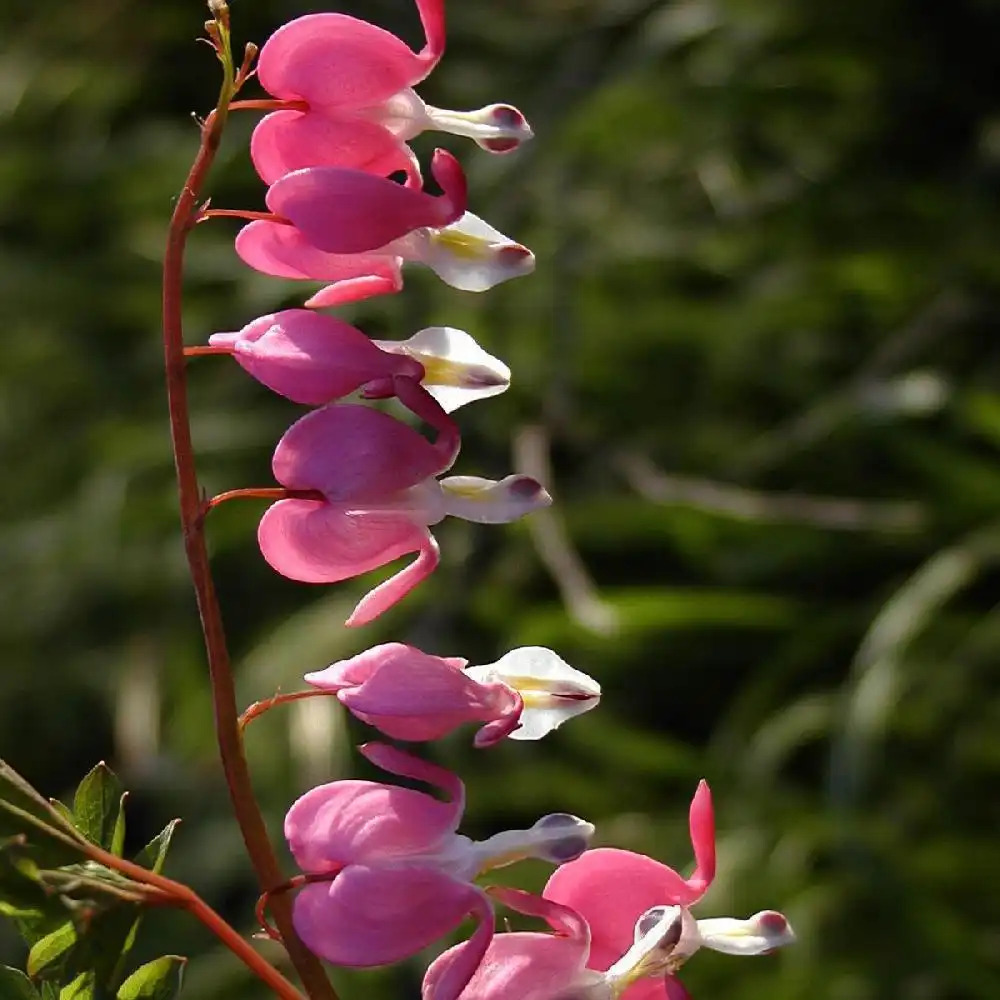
[(579, 593), (726, 500)]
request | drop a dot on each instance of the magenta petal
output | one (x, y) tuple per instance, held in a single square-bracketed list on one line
[(285, 141), (282, 251), (701, 821), (354, 454), (357, 669), (393, 590), (432, 18), (421, 697), (351, 821), (526, 966), (349, 211), (309, 357), (336, 61), (309, 541), (374, 916), (612, 888)]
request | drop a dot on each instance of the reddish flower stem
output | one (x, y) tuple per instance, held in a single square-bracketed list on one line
[(268, 105), (168, 891), (227, 729), (263, 493), (239, 213), (258, 708), (205, 349)]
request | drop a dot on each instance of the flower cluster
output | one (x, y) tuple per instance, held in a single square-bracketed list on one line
[(385, 872)]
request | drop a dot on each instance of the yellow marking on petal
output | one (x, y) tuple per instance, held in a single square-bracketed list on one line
[(462, 244), (440, 371)]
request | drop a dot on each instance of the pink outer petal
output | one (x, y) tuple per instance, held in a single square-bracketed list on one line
[(310, 358), (354, 454), (393, 590), (349, 211), (366, 821), (285, 141), (357, 289), (336, 61), (526, 966), (422, 697), (701, 821), (612, 888), (656, 989), (309, 541), (422, 404), (432, 18), (282, 251), (373, 916), (357, 669)]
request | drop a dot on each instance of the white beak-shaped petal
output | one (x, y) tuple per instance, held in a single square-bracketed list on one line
[(760, 934), (487, 501), (551, 689), (472, 256), (456, 369)]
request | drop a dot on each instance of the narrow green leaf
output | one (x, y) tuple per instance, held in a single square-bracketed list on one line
[(154, 854), (97, 806), (81, 988), (52, 949), (50, 991), (15, 985), (158, 980)]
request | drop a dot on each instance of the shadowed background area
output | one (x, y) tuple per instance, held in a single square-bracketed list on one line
[(757, 366)]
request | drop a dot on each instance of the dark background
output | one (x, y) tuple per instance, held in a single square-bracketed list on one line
[(760, 356)]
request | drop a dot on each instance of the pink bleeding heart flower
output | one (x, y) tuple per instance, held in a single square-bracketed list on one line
[(469, 255), (378, 479), (411, 695), (400, 876), (626, 897), (559, 966), (314, 359), (344, 211), (352, 85)]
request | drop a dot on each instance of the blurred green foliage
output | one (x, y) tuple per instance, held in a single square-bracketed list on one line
[(759, 356)]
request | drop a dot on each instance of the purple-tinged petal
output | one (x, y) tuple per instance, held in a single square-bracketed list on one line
[(349, 211), (374, 916), (351, 821), (354, 454), (310, 358)]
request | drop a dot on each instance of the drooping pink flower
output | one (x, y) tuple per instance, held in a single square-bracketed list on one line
[(597, 885), (354, 82), (400, 876), (630, 900), (469, 255), (410, 695), (560, 966), (314, 359), (381, 494)]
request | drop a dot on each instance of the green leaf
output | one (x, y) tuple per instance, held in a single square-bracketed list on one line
[(157, 980), (52, 950), (81, 988), (97, 807), (154, 854), (15, 985)]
